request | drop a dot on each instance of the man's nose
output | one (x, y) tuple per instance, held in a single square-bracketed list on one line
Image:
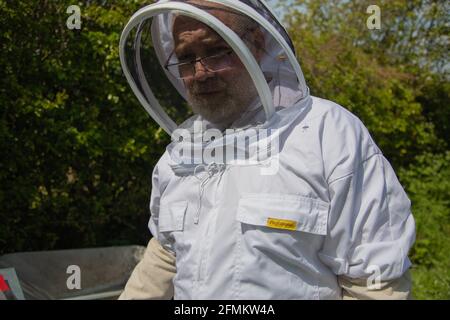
[(200, 72)]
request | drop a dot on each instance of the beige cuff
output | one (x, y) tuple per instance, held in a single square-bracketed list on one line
[(357, 289), (152, 276)]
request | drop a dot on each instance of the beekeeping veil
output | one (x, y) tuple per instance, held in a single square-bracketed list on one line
[(160, 77)]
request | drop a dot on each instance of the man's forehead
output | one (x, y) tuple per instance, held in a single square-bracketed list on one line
[(184, 23)]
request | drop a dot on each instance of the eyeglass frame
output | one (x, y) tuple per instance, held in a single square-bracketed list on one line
[(194, 62)]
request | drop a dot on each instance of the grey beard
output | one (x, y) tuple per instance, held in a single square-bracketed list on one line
[(228, 107), (222, 112)]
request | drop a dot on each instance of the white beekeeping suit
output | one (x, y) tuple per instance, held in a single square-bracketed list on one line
[(292, 199)]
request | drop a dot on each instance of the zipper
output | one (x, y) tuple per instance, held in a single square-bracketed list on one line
[(211, 170), (200, 196)]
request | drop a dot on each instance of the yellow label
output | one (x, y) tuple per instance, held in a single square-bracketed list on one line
[(281, 224)]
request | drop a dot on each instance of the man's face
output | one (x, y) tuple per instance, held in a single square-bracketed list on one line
[(220, 96)]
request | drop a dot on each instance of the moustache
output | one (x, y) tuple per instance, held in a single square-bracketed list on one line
[(210, 85)]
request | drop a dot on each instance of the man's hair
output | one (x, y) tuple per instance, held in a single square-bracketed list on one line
[(241, 23)]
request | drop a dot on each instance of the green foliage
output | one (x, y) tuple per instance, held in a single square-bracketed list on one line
[(368, 73), (428, 185), (77, 148)]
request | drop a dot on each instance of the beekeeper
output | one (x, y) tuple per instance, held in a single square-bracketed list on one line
[(265, 192)]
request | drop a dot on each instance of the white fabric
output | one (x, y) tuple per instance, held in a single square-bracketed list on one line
[(351, 213)]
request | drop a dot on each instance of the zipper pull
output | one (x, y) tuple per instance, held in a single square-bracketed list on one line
[(200, 196), (211, 170)]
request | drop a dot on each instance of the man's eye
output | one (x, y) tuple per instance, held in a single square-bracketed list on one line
[(218, 50), (186, 58)]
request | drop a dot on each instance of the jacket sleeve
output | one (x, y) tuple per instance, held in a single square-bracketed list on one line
[(152, 277), (358, 289), (370, 226)]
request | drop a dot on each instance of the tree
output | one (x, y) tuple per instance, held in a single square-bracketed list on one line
[(368, 72), (77, 148)]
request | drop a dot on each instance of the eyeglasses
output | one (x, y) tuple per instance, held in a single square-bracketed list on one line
[(214, 63)]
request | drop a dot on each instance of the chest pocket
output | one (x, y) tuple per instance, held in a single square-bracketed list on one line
[(171, 225), (284, 212), (171, 216), (279, 236)]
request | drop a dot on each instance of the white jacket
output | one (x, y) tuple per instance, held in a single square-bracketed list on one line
[(334, 208)]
